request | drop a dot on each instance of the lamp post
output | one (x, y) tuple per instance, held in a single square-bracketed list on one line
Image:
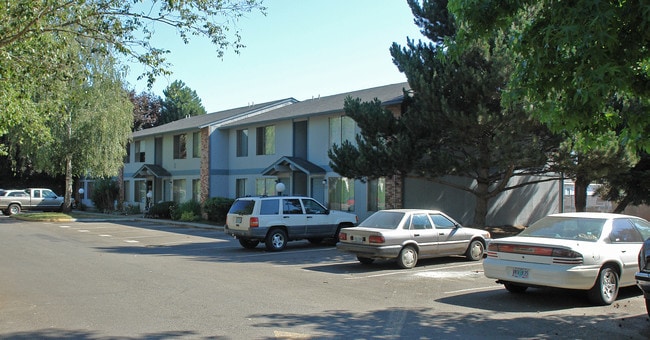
[(279, 188)]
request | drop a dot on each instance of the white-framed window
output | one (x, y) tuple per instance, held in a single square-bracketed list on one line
[(180, 148), (139, 151), (377, 194), (242, 143), (196, 145), (127, 191), (240, 187), (196, 190), (341, 129), (179, 191), (265, 186), (341, 193), (139, 190), (266, 140)]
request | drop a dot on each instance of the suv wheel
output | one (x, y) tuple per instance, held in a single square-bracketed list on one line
[(248, 244), (276, 240)]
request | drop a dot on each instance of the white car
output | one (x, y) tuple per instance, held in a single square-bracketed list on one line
[(409, 234), (595, 252)]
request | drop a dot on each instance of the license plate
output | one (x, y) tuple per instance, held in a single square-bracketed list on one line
[(357, 239), (237, 219), (520, 273)]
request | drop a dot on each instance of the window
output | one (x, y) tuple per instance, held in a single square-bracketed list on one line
[(242, 143), (196, 145), (420, 222), (127, 157), (624, 231), (377, 194), (180, 194), (442, 222), (312, 207), (127, 191), (341, 193), (265, 186), (266, 140), (342, 129), (240, 187), (270, 207), (139, 191), (180, 151), (139, 152), (291, 206), (196, 190)]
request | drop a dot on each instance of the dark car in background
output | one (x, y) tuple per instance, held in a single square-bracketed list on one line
[(643, 275)]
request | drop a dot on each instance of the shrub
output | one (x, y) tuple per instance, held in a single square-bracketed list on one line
[(104, 194), (131, 209), (162, 209), (217, 208), (182, 209)]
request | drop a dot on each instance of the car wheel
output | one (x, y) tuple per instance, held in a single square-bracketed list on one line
[(276, 240), (315, 240), (248, 244), (475, 250), (605, 291), (365, 260), (515, 288), (407, 258), (13, 209)]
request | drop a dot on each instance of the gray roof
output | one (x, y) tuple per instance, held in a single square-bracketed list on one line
[(196, 122), (289, 164), (388, 95), (151, 170)]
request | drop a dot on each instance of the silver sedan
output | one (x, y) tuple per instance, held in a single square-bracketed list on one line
[(409, 234)]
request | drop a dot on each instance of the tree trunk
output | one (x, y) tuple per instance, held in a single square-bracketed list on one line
[(68, 184), (581, 184), (622, 204), (480, 211)]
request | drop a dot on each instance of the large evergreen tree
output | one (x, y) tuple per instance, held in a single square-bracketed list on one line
[(180, 102), (454, 123)]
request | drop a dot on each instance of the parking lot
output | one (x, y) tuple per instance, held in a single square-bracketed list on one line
[(143, 278)]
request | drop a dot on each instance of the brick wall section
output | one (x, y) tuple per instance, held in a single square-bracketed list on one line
[(205, 166), (394, 197)]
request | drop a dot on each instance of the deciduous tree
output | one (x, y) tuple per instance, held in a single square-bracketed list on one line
[(576, 59)]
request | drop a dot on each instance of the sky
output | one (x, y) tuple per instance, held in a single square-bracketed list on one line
[(301, 49)]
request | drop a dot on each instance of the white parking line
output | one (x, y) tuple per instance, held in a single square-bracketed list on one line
[(472, 290), (401, 272)]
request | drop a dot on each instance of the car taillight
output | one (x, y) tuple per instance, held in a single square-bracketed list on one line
[(254, 222), (560, 255), (376, 239), (343, 236)]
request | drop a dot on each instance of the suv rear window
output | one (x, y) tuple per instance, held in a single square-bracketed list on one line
[(242, 207)]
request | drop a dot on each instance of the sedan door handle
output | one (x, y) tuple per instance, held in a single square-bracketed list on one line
[(416, 234), (310, 216)]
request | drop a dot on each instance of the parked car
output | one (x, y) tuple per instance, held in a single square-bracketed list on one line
[(409, 234), (643, 275), (275, 220), (594, 252), (14, 201)]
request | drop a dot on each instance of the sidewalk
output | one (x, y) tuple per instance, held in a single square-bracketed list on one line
[(98, 217)]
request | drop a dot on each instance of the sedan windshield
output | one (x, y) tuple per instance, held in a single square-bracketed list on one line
[(570, 228), (383, 220)]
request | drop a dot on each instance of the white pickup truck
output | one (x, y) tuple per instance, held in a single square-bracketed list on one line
[(14, 201)]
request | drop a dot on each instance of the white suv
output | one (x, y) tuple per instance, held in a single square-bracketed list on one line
[(278, 219)]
